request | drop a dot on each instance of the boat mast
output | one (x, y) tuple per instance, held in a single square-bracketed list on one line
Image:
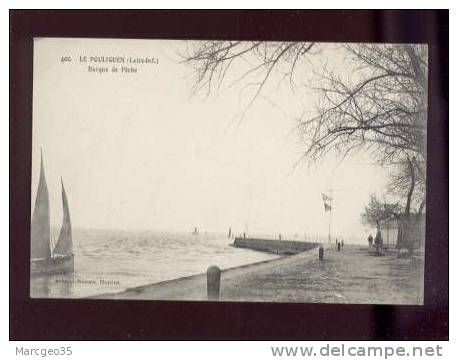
[(40, 226)]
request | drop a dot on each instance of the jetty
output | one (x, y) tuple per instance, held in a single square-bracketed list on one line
[(284, 247)]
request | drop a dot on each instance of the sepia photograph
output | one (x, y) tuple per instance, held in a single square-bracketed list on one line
[(236, 171)]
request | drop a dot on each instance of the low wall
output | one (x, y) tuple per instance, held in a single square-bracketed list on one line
[(274, 246)]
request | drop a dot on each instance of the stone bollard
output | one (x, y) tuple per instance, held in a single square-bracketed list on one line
[(213, 282), (321, 253)]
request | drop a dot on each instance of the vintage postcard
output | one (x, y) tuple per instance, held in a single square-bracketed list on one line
[(229, 171)]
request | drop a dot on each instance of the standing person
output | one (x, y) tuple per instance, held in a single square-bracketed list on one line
[(370, 240), (279, 236), (342, 243), (338, 246)]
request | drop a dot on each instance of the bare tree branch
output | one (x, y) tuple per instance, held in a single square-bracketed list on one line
[(379, 104)]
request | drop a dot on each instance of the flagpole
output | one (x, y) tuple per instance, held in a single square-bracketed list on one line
[(331, 195)]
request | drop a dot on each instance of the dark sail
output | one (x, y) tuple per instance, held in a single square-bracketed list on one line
[(39, 231), (64, 245)]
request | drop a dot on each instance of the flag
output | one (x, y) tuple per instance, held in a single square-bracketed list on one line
[(327, 202)]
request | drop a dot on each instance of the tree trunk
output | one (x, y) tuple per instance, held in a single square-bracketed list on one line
[(411, 189), (420, 76), (420, 209)]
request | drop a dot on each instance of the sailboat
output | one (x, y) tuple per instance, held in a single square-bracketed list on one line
[(45, 258)]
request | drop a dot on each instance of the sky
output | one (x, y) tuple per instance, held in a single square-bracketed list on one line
[(137, 152)]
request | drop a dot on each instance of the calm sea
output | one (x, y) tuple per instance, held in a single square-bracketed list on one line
[(111, 261)]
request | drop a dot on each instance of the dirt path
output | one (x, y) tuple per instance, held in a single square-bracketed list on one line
[(353, 275)]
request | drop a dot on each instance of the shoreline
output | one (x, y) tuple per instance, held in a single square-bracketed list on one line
[(353, 275), (134, 293), (188, 277), (266, 246)]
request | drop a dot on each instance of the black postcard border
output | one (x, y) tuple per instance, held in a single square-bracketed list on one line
[(47, 319)]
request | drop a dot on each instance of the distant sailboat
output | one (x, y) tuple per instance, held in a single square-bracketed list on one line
[(45, 260)]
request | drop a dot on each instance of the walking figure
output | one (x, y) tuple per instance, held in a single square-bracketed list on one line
[(338, 246), (370, 240)]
